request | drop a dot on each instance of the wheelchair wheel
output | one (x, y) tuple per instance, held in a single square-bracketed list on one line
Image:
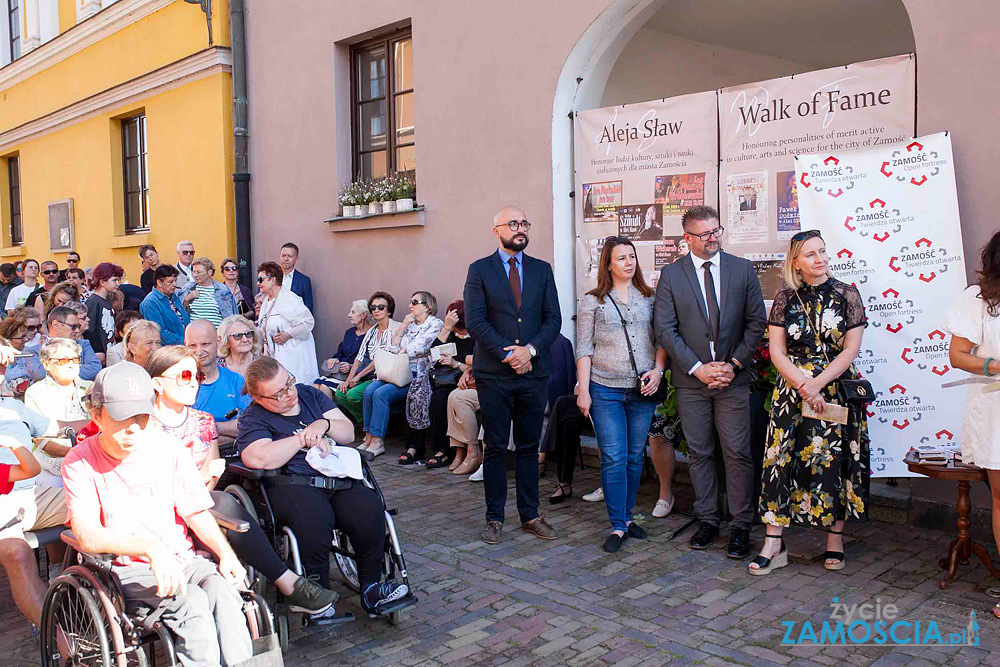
[(254, 581), (283, 631), (348, 567), (73, 622)]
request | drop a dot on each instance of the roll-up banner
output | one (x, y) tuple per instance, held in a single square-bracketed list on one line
[(638, 168), (763, 126), (889, 216)]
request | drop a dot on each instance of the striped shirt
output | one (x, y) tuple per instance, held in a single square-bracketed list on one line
[(374, 341), (204, 306)]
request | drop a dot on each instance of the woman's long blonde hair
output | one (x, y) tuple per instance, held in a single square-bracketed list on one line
[(792, 277), (227, 324)]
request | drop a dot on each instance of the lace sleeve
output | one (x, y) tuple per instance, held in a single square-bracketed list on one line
[(855, 315), (779, 308)]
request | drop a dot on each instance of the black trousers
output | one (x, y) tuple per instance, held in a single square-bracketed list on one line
[(252, 546), (313, 514), (439, 420), (562, 436), (518, 402)]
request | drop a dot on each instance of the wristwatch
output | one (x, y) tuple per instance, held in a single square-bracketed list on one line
[(532, 350)]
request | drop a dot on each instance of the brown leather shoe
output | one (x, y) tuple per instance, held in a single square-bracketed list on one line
[(539, 527), (491, 533)]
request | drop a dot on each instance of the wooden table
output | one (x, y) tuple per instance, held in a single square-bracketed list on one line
[(962, 547)]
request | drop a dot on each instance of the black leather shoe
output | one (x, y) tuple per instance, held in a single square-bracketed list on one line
[(613, 543), (739, 543), (704, 535), (636, 531)]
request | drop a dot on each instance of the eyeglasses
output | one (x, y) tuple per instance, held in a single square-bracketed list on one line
[(185, 377), (286, 392), (187, 252), (417, 302), (514, 225), (65, 361), (378, 306), (247, 335), (50, 272), (808, 234), (718, 233)]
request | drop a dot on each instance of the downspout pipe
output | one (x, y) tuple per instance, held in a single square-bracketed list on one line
[(241, 140)]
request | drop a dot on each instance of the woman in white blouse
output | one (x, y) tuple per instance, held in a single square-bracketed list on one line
[(286, 326), (974, 325)]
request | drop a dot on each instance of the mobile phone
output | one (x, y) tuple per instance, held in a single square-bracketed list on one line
[(232, 413)]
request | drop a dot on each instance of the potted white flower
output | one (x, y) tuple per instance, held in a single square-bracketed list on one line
[(405, 191), (388, 194), (365, 197), (347, 200)]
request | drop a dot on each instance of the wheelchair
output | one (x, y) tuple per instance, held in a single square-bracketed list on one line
[(85, 615), (251, 493)]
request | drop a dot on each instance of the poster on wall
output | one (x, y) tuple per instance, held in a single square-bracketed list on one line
[(764, 125), (638, 168), (889, 216)]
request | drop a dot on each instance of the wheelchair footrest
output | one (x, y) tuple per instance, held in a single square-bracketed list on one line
[(333, 620), (407, 600)]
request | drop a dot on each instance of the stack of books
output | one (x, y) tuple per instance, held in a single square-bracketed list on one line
[(936, 455)]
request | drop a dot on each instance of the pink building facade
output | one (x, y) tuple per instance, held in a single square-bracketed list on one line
[(488, 120)]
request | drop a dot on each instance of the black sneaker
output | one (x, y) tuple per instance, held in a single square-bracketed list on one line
[(309, 597), (637, 531), (378, 596), (704, 535)]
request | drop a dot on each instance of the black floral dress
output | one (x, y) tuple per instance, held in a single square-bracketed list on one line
[(815, 472)]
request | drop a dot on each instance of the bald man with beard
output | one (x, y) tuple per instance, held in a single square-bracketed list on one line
[(512, 312)]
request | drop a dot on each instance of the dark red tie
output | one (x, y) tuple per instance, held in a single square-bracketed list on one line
[(515, 281)]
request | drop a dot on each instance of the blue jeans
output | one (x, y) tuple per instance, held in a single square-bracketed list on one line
[(378, 399), (621, 423)]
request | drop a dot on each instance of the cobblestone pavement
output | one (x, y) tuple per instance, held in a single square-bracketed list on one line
[(531, 602)]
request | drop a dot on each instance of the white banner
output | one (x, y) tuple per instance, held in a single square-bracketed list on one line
[(889, 216), (765, 124), (638, 168)]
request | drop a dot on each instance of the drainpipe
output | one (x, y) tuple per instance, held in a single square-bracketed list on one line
[(241, 162)]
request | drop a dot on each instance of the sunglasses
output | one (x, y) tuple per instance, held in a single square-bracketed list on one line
[(65, 361), (261, 279), (186, 377), (33, 328), (187, 252), (417, 302), (50, 272), (808, 234), (72, 327), (379, 306), (514, 225), (242, 335), (72, 261), (229, 268), (718, 233)]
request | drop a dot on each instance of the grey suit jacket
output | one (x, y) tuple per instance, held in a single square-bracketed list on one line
[(680, 317)]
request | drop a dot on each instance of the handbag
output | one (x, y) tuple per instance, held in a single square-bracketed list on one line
[(445, 377), (663, 389), (851, 391), (393, 367)]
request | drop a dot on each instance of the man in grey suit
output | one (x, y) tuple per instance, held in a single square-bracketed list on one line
[(710, 317)]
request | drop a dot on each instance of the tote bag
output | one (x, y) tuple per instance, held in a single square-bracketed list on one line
[(393, 367)]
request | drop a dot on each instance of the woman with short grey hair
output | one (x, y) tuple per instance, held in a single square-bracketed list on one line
[(338, 366)]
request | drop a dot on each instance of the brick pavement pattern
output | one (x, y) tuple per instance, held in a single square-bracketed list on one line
[(527, 601)]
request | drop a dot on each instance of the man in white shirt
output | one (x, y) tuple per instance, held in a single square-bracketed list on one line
[(185, 257)]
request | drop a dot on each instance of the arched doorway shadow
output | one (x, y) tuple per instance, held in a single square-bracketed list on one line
[(638, 50)]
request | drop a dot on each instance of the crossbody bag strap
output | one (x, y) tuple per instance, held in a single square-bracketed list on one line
[(631, 355)]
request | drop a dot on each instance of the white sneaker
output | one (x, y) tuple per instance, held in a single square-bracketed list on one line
[(478, 475), (663, 507), (596, 496)]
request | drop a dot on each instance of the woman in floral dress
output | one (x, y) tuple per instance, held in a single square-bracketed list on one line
[(815, 470)]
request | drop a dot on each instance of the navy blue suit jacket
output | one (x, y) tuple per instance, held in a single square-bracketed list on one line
[(302, 286), (495, 322)]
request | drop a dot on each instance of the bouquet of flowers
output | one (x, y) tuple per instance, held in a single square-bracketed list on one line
[(765, 375)]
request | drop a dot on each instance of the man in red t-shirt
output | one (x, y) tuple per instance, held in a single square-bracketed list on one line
[(134, 493)]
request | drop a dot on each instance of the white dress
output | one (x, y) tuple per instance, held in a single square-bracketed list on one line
[(981, 422), (287, 313)]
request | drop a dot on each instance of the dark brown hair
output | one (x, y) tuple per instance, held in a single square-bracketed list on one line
[(988, 276), (698, 213), (271, 270), (388, 300), (605, 283)]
